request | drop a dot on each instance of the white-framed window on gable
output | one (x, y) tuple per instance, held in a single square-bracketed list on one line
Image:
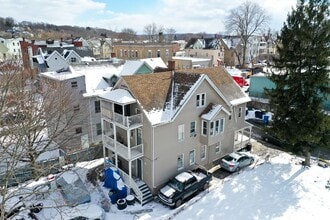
[(192, 157), (149, 53), (204, 128), (239, 111), (180, 162), (181, 132), (217, 125), (222, 125), (212, 128), (193, 129), (218, 148), (200, 100), (203, 152)]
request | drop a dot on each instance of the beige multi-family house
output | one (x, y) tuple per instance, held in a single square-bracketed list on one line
[(158, 125)]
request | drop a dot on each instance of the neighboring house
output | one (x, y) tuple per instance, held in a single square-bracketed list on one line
[(132, 67), (106, 48), (211, 48), (30, 48), (158, 125), (131, 50), (95, 45), (87, 82), (155, 62), (181, 63), (13, 46), (258, 83), (3, 52), (72, 57), (54, 61)]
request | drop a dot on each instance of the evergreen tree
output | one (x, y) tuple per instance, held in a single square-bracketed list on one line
[(303, 82)]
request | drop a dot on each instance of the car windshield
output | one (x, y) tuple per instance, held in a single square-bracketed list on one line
[(229, 158), (175, 184)]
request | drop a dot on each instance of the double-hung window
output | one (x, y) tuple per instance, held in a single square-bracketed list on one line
[(181, 132), (222, 125), (180, 162), (204, 128), (203, 152), (192, 157), (193, 129), (200, 100)]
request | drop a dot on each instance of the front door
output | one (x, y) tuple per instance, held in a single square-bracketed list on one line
[(139, 168)]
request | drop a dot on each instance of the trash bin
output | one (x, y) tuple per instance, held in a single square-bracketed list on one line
[(248, 147), (266, 119)]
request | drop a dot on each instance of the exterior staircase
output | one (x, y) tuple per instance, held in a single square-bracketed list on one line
[(145, 192)]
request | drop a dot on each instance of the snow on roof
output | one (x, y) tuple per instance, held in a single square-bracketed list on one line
[(131, 67), (193, 59), (183, 177), (212, 113), (240, 100), (70, 177), (155, 62), (95, 77), (61, 76), (120, 96), (234, 71)]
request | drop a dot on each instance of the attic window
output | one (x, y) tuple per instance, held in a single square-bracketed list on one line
[(73, 59), (74, 84), (200, 100)]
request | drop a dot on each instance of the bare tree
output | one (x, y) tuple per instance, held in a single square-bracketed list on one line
[(170, 34), (127, 34), (34, 120), (245, 21), (151, 31)]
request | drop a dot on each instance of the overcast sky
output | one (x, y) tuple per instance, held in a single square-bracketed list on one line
[(193, 16)]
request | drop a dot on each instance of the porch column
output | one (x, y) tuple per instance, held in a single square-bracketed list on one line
[(123, 115), (129, 156), (115, 143)]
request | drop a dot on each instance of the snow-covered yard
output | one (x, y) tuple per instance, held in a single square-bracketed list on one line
[(278, 189)]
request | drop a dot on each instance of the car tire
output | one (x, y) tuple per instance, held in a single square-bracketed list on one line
[(178, 203), (205, 186)]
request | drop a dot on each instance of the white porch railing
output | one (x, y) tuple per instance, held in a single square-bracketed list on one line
[(127, 121), (124, 151)]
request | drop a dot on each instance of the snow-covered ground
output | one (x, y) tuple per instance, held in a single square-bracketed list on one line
[(278, 189)]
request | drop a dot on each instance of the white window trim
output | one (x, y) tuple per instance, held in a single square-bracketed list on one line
[(200, 103), (193, 134), (180, 168), (212, 129), (205, 148), (202, 126), (218, 146), (181, 133), (222, 128), (194, 153)]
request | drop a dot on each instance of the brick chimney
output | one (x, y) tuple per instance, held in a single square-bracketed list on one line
[(171, 64)]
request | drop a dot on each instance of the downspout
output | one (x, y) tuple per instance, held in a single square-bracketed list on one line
[(90, 120), (153, 157)]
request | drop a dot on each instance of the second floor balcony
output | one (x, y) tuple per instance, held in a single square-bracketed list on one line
[(127, 152)]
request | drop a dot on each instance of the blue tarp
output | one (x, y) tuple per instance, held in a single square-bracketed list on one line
[(114, 182)]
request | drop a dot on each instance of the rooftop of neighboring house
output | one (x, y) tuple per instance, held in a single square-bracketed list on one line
[(168, 91), (193, 59), (132, 67), (208, 43), (97, 77), (155, 62)]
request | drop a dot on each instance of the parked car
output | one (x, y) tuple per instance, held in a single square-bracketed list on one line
[(236, 160), (272, 139), (183, 186)]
